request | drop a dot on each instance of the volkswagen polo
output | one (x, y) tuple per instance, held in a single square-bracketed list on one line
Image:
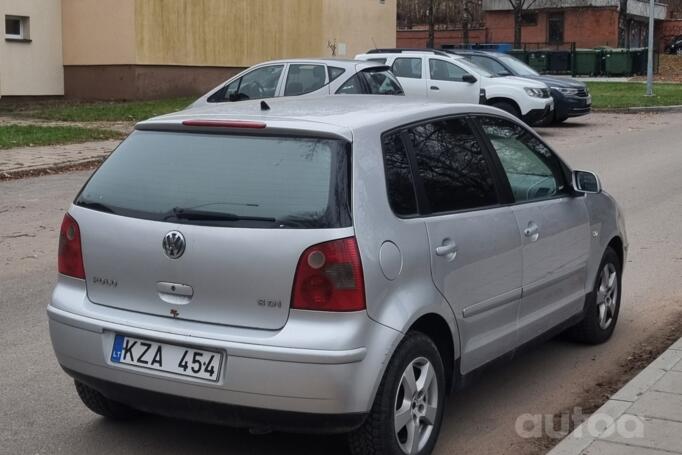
[(326, 265)]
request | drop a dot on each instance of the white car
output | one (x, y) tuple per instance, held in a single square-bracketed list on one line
[(305, 77), (447, 77)]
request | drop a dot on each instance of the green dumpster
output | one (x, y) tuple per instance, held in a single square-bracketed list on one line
[(538, 61), (587, 62), (618, 62), (519, 54)]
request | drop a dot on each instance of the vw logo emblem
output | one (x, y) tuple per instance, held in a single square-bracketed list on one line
[(174, 244)]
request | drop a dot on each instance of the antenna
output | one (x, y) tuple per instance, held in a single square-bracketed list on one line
[(264, 106), (374, 42)]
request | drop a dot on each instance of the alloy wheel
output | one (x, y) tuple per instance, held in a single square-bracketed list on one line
[(416, 406), (607, 295)]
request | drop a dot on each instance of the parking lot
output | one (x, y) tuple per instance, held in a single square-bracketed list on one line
[(637, 158)]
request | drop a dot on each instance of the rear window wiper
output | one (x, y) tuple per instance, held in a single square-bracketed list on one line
[(95, 206), (205, 215)]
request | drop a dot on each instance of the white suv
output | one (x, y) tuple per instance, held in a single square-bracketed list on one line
[(447, 77)]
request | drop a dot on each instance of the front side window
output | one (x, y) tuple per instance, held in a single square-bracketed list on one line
[(399, 183), (490, 65), (408, 67), (303, 78), (533, 171), (453, 170), (259, 83), (445, 71)]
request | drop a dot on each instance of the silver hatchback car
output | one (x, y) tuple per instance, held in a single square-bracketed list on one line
[(326, 265)]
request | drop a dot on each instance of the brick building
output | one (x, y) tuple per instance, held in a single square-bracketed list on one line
[(587, 23)]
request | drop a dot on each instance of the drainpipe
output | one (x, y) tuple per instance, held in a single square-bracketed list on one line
[(650, 61)]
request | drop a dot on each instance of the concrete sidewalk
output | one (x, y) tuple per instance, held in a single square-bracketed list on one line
[(21, 160), (642, 418)]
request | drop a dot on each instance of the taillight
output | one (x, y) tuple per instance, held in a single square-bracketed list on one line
[(70, 253), (329, 278)]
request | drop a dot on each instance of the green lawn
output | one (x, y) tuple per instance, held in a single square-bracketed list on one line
[(100, 111), (611, 95), (29, 135)]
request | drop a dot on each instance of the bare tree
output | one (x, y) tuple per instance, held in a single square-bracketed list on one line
[(432, 24), (518, 6)]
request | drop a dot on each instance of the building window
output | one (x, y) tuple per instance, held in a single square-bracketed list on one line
[(529, 19), (555, 28), (17, 28)]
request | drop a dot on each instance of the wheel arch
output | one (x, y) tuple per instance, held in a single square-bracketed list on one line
[(435, 327), (500, 99), (616, 243)]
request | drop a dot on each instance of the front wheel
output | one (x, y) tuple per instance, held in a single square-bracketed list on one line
[(603, 304), (406, 416)]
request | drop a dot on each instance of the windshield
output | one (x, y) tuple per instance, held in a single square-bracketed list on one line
[(225, 180), (517, 66), (382, 82), (471, 67)]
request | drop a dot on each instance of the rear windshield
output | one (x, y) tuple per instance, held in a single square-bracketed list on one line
[(225, 180)]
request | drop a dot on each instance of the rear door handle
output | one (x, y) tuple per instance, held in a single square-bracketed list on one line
[(448, 250), (433, 87)]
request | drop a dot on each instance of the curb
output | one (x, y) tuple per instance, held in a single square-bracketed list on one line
[(56, 168), (641, 110)]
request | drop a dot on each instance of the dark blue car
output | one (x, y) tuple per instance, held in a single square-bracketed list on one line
[(571, 98)]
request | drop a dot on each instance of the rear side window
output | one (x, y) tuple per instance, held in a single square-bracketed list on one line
[(335, 72), (372, 82), (453, 170), (225, 180), (399, 183), (408, 67), (303, 79)]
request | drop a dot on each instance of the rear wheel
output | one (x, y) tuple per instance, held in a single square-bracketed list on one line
[(603, 305), (406, 415), (507, 106), (99, 404)]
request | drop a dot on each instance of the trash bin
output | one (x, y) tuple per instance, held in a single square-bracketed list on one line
[(586, 62), (538, 61), (559, 61), (618, 62), (640, 60)]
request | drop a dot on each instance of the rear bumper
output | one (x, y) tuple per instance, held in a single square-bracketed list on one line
[(219, 413), (325, 364)]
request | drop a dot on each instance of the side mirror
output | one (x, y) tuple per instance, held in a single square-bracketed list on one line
[(586, 182), (470, 78)]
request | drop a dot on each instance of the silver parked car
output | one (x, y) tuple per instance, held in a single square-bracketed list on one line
[(305, 77), (337, 264)]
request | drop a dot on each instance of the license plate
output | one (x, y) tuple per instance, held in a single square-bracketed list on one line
[(180, 360)]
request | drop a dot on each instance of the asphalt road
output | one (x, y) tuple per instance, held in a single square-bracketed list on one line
[(639, 159)]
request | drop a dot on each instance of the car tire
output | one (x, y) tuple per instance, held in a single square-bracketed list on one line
[(415, 358), (99, 404), (603, 304), (507, 106), (558, 120)]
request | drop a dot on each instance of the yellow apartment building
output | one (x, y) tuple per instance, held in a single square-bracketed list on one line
[(136, 49)]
